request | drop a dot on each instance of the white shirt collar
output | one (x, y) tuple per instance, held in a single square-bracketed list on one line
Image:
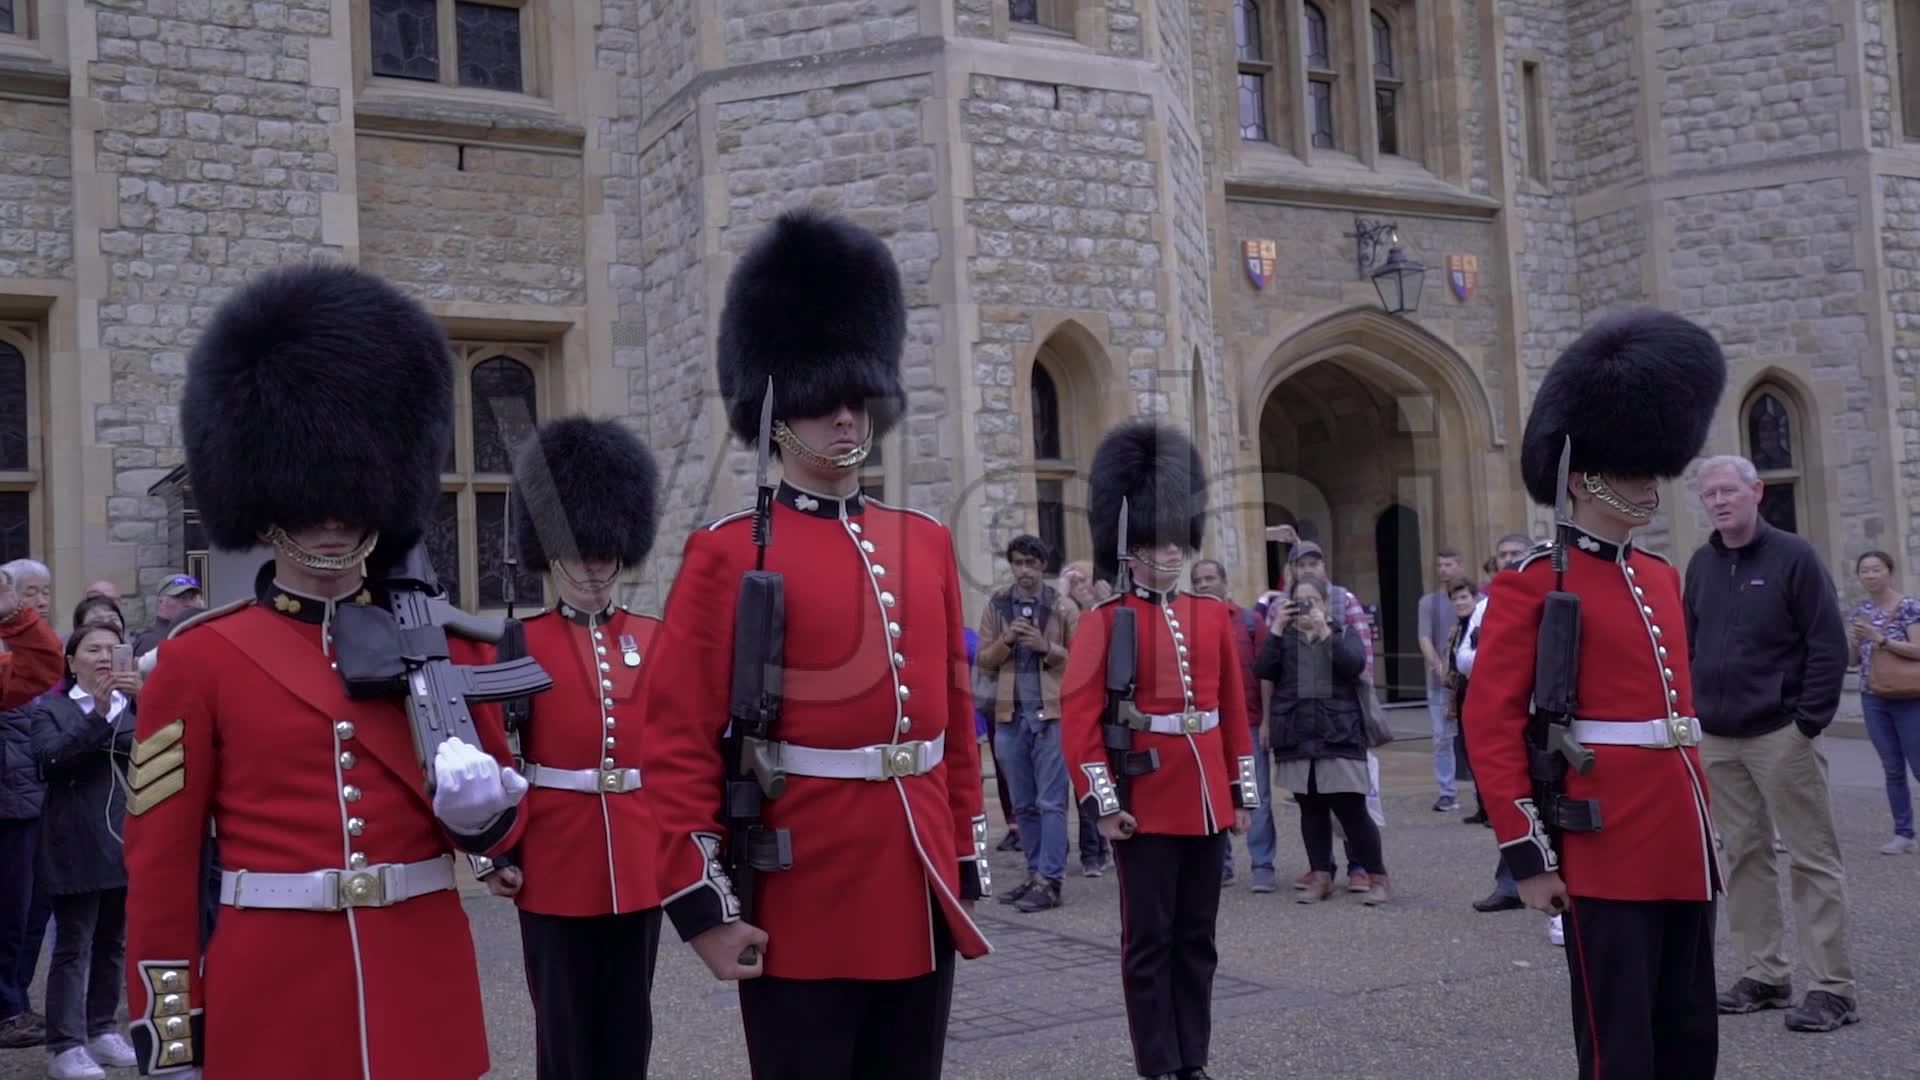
[(116, 704)]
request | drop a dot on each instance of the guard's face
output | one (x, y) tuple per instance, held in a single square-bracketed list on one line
[(836, 433), (329, 538), (590, 573), (1731, 503)]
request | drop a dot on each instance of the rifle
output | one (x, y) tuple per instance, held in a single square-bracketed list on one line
[(1551, 747), (753, 770), (515, 712), (401, 650), (1122, 717)]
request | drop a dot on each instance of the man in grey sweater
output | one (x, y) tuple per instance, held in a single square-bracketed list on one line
[(1769, 653)]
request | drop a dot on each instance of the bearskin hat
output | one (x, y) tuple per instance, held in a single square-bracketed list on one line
[(815, 303), (585, 487), (317, 392), (1155, 468), (1636, 393)]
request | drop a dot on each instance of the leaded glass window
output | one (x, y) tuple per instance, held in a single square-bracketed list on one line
[(503, 412), (1023, 11), (13, 409), (490, 514), (443, 543), (405, 35), (1386, 112), (1253, 107), (1382, 45), (487, 38), (1246, 29), (16, 526), (1052, 512), (1778, 506), (1770, 434), (1045, 407), (1319, 47), (1320, 112), (7, 23)]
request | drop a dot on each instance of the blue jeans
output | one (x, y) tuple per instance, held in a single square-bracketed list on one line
[(1503, 883), (1437, 702), (1029, 750), (1095, 850), (1894, 727)]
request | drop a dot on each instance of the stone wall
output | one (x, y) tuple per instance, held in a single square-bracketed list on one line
[(1062, 211), (36, 191), (1900, 244), (1124, 37), (757, 30), (1750, 81), (974, 18), (1775, 273), (472, 223), (1612, 252), (1605, 99), (1473, 68), (216, 149), (669, 49), (1876, 47)]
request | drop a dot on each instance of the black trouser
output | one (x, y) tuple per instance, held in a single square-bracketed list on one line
[(1094, 848), (592, 983), (1463, 758), (851, 1029), (1643, 994), (24, 911), (1169, 898), (1317, 812), (84, 980)]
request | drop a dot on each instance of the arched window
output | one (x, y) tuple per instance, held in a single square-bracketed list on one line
[(1772, 435), (1051, 470), (1254, 71), (1386, 84), (1320, 78), (497, 402), (18, 426)]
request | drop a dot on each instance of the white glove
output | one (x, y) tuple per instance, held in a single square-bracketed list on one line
[(471, 790)]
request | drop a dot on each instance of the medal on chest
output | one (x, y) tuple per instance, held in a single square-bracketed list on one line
[(629, 651)]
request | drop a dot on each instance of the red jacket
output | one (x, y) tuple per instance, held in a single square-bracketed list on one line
[(246, 710), (1186, 661), (588, 854), (34, 660), (1656, 836), (875, 654)]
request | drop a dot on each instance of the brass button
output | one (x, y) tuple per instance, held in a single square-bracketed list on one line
[(598, 636), (343, 730), (878, 570), (853, 527), (866, 546), (1667, 674), (886, 599), (893, 629), (608, 702), (906, 724), (606, 763), (1656, 631), (899, 661), (176, 1051), (350, 793), (905, 693), (601, 649), (356, 826), (170, 980), (609, 723), (170, 1002), (1646, 610), (347, 759), (606, 684), (609, 742), (604, 666), (356, 861)]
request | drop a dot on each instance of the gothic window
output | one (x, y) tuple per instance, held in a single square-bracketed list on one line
[(1906, 18), (1055, 15), (1320, 113), (1046, 416), (19, 434), (1255, 71), (8, 25), (1386, 85), (1054, 453), (1382, 46), (1320, 79), (1319, 49), (1533, 97), (483, 44), (497, 405), (1772, 436)]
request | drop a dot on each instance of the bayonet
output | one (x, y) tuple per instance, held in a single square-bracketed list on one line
[(1123, 581), (763, 500), (1562, 510)]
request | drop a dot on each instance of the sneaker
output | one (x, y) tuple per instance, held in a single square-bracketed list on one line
[(1263, 880), (74, 1064), (1379, 893), (1821, 1011), (1319, 887), (1446, 804), (1305, 881), (1009, 842), (1015, 894), (1095, 868), (22, 1031), (1359, 881), (1556, 931), (111, 1050), (1042, 896), (1752, 995), (1900, 845)]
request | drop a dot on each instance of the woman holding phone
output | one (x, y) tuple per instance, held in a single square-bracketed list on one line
[(82, 735)]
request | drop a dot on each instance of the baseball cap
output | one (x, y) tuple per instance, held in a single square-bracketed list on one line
[(180, 585), (1303, 549)]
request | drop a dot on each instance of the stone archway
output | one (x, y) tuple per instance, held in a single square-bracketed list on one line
[(1366, 420)]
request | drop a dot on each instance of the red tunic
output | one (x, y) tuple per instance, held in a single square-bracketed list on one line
[(875, 654), (1185, 661), (34, 660), (588, 854), (270, 747), (1656, 836)]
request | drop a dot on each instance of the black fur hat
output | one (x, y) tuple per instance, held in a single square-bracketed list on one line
[(590, 486), (1156, 469), (317, 392), (816, 304), (1636, 393)]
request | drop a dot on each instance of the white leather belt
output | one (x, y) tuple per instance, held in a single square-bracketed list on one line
[(1664, 733), (380, 885), (586, 781), (884, 762), (1183, 723)]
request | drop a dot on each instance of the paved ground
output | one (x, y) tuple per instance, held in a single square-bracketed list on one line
[(1424, 988)]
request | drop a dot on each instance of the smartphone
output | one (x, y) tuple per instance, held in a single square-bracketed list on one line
[(122, 658)]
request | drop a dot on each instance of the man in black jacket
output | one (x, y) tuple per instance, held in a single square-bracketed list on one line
[(1769, 652)]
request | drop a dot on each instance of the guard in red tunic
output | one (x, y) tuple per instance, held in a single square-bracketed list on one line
[(318, 404), (586, 876), (1591, 775), (873, 740), (1159, 753)]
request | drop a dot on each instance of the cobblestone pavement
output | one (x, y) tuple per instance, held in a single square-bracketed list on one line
[(1423, 988)]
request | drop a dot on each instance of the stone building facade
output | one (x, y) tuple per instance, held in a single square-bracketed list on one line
[(1069, 186)]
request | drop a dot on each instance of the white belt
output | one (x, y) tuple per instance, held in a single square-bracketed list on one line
[(380, 885), (1664, 733), (883, 762), (586, 781), (1183, 723)]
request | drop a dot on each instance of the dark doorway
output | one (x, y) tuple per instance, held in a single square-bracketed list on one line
[(1396, 548)]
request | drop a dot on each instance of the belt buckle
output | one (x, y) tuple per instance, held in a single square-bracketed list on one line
[(1682, 731), (357, 889), (1190, 722), (609, 780), (899, 761)]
